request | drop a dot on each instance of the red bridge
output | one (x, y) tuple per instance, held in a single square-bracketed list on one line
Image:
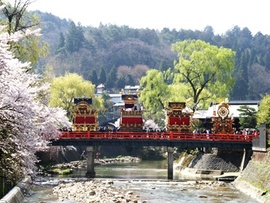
[(171, 139), (131, 132)]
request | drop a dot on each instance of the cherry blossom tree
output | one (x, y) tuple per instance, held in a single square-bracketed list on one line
[(26, 122)]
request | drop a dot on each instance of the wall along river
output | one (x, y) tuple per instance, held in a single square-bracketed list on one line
[(147, 179)]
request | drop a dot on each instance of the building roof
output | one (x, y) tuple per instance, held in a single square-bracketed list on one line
[(233, 109), (100, 86), (116, 98)]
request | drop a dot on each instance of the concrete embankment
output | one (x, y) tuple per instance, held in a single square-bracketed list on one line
[(14, 196), (194, 173), (255, 179), (206, 165)]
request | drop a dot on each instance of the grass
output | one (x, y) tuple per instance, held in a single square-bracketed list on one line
[(65, 171)]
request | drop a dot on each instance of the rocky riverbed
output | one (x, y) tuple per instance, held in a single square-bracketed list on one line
[(105, 191), (95, 191), (82, 163)]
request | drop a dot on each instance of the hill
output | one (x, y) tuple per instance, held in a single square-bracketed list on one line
[(119, 55)]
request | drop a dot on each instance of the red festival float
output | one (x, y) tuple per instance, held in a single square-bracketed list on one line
[(131, 115), (84, 118), (222, 123), (178, 119)]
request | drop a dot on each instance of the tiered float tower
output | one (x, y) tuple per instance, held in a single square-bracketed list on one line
[(131, 115), (222, 124), (84, 118), (177, 119)]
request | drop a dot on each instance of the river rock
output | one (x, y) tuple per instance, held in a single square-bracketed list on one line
[(94, 191)]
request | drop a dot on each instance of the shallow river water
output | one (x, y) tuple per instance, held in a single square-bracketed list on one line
[(148, 179)]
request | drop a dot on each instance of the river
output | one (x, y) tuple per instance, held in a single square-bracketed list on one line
[(148, 179)]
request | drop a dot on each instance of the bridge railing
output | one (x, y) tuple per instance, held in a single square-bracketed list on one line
[(156, 136)]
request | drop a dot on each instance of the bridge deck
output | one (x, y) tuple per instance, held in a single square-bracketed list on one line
[(154, 139)]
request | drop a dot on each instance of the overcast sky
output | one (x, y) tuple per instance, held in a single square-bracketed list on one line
[(222, 15)]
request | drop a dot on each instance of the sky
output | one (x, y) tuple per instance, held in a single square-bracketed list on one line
[(222, 15)]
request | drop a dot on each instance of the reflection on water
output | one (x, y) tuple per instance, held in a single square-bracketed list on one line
[(141, 170), (148, 179)]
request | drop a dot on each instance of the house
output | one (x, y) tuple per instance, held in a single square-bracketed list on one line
[(233, 109), (206, 115)]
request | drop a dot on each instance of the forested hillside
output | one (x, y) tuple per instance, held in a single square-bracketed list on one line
[(119, 55)]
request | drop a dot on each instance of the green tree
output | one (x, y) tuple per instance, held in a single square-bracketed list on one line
[(178, 92), (129, 80), (38, 49), (18, 19), (48, 74), (247, 117), (61, 44), (263, 114), (155, 92), (102, 76), (111, 79), (75, 38), (65, 88), (94, 77), (204, 66), (121, 82), (154, 96)]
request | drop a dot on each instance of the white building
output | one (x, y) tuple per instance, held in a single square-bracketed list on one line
[(233, 109)]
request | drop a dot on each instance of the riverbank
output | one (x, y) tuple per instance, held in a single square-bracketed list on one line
[(146, 180), (75, 165), (95, 191), (112, 191), (127, 184), (200, 165), (16, 195), (255, 179)]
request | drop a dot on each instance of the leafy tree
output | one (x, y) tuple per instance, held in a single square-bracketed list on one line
[(102, 76), (258, 75), (38, 49), (65, 88), (110, 83), (204, 66), (113, 34), (25, 119), (75, 38), (121, 82), (18, 19), (163, 65), (107, 102), (208, 34), (129, 80), (178, 92), (94, 77), (263, 114), (124, 46), (149, 36), (154, 92), (138, 72), (247, 117), (48, 74), (61, 43), (240, 91)]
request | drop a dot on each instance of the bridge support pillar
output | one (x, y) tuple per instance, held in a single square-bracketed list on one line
[(170, 162), (90, 154), (247, 153)]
